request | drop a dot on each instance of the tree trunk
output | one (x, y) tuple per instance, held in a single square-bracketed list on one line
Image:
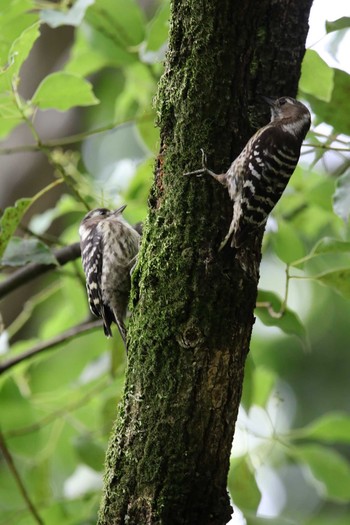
[(189, 336)]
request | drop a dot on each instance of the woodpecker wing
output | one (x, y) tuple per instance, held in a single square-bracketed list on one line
[(92, 258), (92, 264), (268, 166)]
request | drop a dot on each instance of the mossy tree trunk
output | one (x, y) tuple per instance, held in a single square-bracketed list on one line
[(189, 336)]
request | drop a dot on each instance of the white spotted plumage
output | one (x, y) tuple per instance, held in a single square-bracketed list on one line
[(109, 246)]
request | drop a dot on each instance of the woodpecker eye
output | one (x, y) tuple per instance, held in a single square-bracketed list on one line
[(283, 101)]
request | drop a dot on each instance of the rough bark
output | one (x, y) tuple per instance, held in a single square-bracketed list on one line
[(168, 457)]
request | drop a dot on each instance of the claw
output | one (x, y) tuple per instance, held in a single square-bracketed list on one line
[(197, 173), (223, 243), (204, 159), (203, 170)]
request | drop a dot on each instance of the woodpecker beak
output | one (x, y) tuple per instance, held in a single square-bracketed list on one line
[(270, 101), (119, 210)]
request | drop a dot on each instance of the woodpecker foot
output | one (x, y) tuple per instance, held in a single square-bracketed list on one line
[(204, 170)]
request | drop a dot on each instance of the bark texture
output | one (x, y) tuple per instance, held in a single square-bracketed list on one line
[(189, 336)]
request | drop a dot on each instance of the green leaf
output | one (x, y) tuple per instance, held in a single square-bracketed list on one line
[(158, 28), (287, 244), (63, 91), (41, 222), (321, 193), (313, 221), (73, 17), (90, 452), (15, 17), (341, 198), (24, 251), (263, 381), (242, 485), (316, 76), (149, 134), (112, 51), (79, 510), (21, 48), (10, 220), (85, 59), (139, 89), (330, 245), (334, 112), (333, 428), (328, 467), (288, 322), (16, 409), (336, 25), (121, 22), (153, 49), (338, 280), (325, 247), (10, 115), (116, 28)]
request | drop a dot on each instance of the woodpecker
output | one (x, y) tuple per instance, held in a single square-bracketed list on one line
[(109, 247), (257, 178)]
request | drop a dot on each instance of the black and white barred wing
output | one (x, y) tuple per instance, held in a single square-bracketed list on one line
[(269, 166), (92, 258), (92, 264)]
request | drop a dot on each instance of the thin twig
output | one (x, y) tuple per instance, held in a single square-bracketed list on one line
[(269, 307), (51, 343), (332, 136), (72, 139), (286, 291), (11, 465), (326, 147), (26, 274)]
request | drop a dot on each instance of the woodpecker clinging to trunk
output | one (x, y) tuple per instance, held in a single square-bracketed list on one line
[(257, 178), (109, 246)]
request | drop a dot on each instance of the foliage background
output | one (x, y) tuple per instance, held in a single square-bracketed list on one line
[(84, 123)]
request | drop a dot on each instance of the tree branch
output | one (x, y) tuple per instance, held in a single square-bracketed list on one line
[(51, 343), (30, 272), (326, 147), (72, 139), (11, 465)]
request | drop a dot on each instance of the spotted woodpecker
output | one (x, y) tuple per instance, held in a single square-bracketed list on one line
[(257, 178), (109, 247)]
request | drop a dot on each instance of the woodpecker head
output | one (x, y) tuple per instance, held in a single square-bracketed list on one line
[(100, 214), (93, 217), (293, 116)]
